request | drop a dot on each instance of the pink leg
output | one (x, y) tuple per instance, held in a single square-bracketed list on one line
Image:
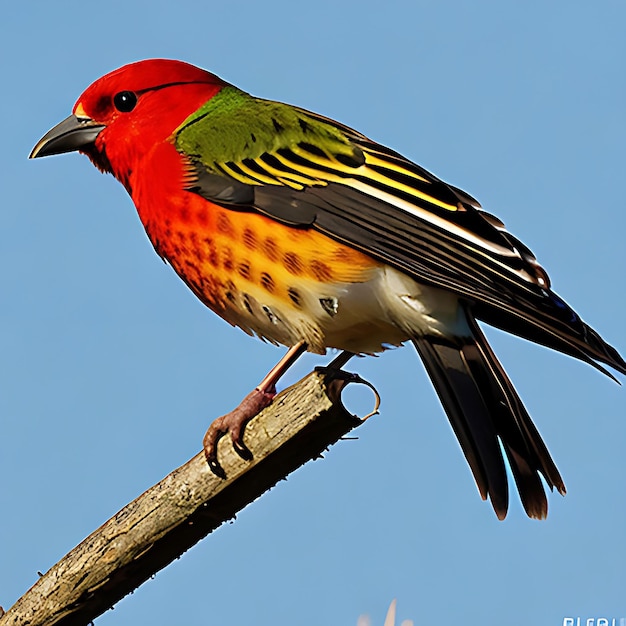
[(235, 421)]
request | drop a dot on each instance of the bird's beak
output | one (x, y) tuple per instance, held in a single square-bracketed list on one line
[(73, 133)]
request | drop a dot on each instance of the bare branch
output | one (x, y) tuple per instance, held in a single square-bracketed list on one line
[(184, 507)]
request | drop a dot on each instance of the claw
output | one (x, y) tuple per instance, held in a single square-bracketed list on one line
[(342, 379), (261, 397), (235, 424)]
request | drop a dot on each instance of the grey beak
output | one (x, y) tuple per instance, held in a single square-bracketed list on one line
[(73, 133)]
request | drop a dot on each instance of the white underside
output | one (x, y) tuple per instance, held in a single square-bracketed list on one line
[(364, 318)]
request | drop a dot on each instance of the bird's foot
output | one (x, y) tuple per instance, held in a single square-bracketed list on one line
[(235, 424), (235, 421), (338, 379)]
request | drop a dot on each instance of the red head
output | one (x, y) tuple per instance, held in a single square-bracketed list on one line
[(126, 113)]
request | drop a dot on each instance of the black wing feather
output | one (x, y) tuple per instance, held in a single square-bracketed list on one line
[(398, 213)]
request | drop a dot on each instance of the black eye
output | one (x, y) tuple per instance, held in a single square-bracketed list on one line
[(125, 101)]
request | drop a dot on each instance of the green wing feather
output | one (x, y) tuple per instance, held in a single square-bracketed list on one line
[(233, 130), (305, 170)]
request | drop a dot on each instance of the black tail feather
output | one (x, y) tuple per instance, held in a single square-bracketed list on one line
[(484, 411)]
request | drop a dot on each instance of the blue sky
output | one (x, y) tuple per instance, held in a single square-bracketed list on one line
[(111, 370)]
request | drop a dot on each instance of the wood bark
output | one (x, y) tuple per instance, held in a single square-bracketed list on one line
[(173, 515)]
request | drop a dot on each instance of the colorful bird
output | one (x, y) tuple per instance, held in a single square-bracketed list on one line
[(306, 233)]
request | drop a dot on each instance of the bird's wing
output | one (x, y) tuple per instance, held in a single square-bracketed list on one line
[(308, 171)]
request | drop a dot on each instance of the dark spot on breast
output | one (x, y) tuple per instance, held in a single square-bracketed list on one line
[(252, 136), (304, 125), (267, 282), (330, 305), (227, 255), (292, 263), (270, 314), (224, 225), (343, 254), (211, 252), (208, 288), (243, 269), (321, 271), (196, 248), (183, 213), (247, 303), (249, 238), (277, 126), (294, 296), (271, 249), (202, 217)]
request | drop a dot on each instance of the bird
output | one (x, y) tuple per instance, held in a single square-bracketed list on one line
[(306, 233)]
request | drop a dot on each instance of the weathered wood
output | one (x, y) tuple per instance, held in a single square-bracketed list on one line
[(184, 507)]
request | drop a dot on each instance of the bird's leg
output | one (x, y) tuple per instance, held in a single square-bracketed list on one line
[(339, 379), (268, 384), (235, 421), (338, 362)]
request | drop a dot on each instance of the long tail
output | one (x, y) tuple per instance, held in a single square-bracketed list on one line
[(485, 411)]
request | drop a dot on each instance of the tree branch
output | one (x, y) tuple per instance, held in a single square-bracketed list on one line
[(185, 506)]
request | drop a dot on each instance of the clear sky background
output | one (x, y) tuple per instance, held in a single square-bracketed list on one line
[(110, 369)]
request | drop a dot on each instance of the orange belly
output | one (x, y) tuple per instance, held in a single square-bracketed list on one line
[(255, 272)]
